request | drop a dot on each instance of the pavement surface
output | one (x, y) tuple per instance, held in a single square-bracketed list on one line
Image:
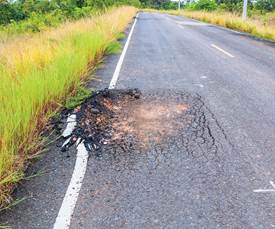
[(214, 170)]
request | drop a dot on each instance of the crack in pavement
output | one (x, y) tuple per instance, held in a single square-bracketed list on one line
[(129, 121), (163, 143)]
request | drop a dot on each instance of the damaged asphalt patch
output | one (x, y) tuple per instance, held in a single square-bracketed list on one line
[(132, 121), (157, 158)]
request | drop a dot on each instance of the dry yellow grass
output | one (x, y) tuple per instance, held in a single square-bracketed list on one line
[(37, 72)]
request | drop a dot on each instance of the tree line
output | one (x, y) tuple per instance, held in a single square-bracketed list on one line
[(229, 5), (16, 10)]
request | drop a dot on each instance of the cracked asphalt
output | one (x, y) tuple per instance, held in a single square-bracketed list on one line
[(199, 174)]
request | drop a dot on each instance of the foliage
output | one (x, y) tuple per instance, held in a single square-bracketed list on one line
[(14, 11), (232, 6), (35, 23), (157, 4), (10, 12), (265, 5), (81, 94), (169, 5), (235, 6), (208, 5)]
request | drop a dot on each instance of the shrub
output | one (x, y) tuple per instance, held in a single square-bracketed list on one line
[(169, 5), (208, 5), (9, 12), (265, 5)]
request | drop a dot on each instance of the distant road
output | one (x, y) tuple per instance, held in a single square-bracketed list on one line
[(222, 178)]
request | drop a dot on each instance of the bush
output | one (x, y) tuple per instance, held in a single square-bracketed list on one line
[(12, 11), (208, 5), (9, 12), (265, 5), (35, 23), (169, 5)]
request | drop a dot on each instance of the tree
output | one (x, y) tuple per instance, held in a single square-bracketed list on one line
[(154, 3), (265, 5), (10, 12)]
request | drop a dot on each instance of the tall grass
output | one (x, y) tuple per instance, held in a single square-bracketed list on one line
[(36, 74), (255, 26)]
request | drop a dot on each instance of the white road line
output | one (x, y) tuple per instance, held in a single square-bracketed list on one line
[(272, 184), (71, 122), (66, 211), (63, 219), (199, 85), (266, 190), (120, 61), (223, 51), (180, 26)]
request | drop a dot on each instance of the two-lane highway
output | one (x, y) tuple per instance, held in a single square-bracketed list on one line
[(217, 173)]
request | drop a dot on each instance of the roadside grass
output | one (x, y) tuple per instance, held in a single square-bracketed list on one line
[(81, 94), (4, 227), (38, 73), (258, 26)]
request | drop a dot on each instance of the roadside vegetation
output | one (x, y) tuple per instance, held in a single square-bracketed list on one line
[(39, 71), (31, 16), (257, 25), (227, 13)]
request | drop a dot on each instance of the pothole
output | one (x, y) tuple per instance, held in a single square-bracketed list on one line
[(135, 121)]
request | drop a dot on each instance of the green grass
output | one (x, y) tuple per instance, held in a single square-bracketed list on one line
[(5, 227), (81, 94), (39, 73)]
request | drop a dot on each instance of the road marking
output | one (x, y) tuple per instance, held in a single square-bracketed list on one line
[(203, 77), (66, 210), (266, 190), (223, 51), (180, 26), (179, 22), (63, 219), (120, 61), (199, 85), (272, 184), (71, 122)]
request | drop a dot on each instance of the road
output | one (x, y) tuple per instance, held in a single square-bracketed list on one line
[(220, 177)]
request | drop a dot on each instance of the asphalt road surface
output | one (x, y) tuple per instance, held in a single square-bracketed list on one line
[(217, 171)]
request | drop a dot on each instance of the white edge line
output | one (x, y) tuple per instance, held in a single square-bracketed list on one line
[(180, 26), (120, 61), (272, 184), (67, 208), (223, 51), (71, 122), (65, 213), (66, 142), (264, 190)]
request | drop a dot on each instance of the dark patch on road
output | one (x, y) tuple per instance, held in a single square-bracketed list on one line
[(158, 158), (131, 121)]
